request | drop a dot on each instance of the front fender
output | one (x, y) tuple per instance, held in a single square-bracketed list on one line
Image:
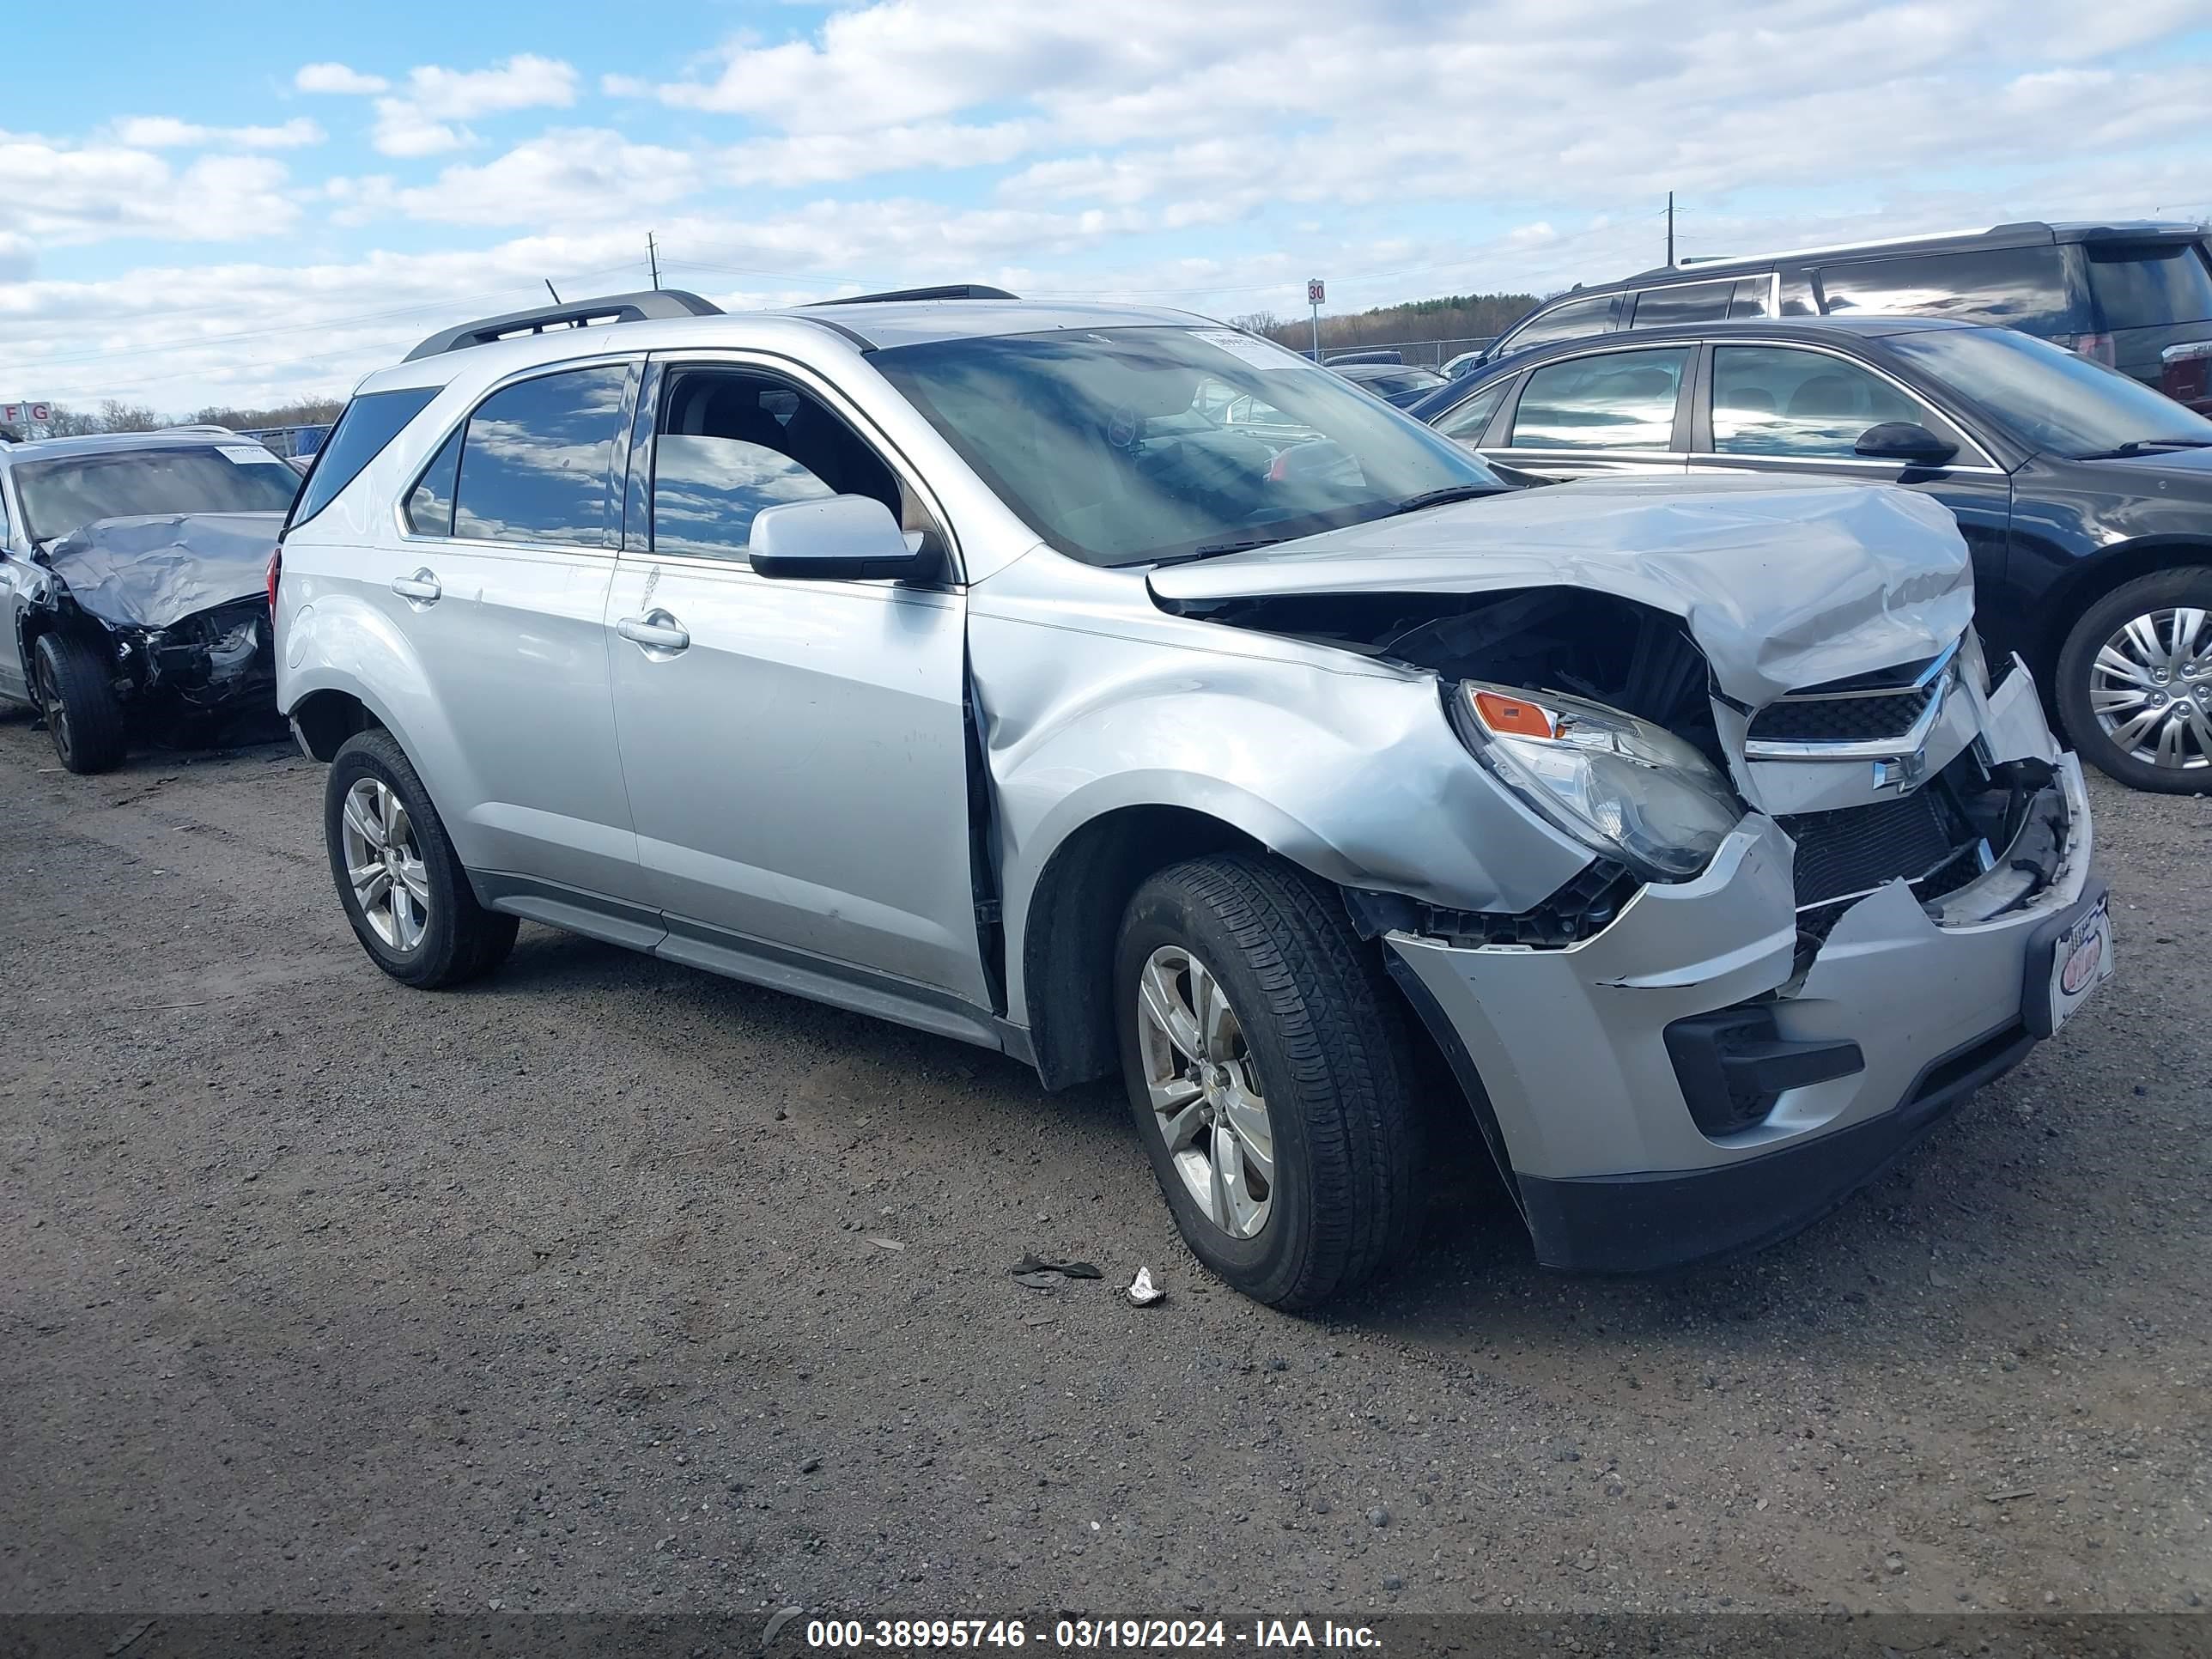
[(1347, 767)]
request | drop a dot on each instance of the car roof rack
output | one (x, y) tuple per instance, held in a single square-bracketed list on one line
[(946, 291), (648, 304)]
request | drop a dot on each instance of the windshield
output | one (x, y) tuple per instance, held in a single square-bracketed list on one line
[(59, 496), (1126, 446), (2058, 402)]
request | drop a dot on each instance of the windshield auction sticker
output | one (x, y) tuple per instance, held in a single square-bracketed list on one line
[(1258, 353)]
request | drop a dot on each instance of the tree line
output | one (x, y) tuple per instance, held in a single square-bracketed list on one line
[(114, 415), (1453, 317)]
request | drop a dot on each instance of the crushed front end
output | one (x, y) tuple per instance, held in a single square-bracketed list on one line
[(1671, 1070)]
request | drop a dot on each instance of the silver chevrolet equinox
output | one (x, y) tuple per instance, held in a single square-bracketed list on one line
[(1115, 690)]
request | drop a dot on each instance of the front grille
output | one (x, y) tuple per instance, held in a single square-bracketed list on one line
[(1862, 719), (1857, 849)]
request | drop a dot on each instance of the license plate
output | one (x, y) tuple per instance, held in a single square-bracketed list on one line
[(2081, 961)]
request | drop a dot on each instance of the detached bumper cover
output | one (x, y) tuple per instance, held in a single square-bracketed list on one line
[(1566, 1054)]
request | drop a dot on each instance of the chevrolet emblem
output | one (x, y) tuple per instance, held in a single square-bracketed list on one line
[(1902, 773)]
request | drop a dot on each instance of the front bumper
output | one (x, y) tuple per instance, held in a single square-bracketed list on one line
[(1564, 1051)]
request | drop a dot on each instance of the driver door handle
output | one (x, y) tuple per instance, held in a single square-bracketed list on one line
[(656, 630), (422, 587)]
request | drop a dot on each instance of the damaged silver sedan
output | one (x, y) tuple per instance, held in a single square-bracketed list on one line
[(1127, 695), (134, 568)]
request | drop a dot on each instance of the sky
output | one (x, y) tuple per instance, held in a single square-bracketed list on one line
[(225, 204)]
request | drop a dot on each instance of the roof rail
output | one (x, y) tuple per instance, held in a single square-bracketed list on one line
[(947, 291), (645, 304)]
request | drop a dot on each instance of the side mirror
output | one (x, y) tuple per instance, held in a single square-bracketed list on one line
[(1905, 442), (841, 536)]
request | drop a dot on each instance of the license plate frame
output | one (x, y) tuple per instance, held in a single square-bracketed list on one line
[(2068, 958)]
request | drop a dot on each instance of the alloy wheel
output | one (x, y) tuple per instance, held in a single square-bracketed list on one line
[(384, 865), (2150, 688), (1205, 1091)]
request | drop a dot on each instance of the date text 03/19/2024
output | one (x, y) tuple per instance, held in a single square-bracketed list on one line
[(1086, 1634)]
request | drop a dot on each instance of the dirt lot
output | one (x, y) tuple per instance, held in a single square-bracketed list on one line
[(571, 1291)]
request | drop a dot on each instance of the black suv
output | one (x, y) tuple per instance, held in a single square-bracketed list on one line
[(2085, 498), (2122, 294)]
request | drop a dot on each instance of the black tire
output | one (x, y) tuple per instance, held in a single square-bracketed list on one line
[(2189, 585), (461, 940), (1325, 1038), (76, 691)]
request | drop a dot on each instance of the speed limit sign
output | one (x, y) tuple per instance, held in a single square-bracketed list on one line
[(1316, 291)]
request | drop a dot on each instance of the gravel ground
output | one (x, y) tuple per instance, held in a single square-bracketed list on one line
[(610, 1285)]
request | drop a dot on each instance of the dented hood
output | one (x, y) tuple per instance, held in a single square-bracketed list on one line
[(1782, 584), (156, 570)]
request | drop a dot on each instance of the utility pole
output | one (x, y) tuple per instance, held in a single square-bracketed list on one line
[(652, 258), (1670, 228)]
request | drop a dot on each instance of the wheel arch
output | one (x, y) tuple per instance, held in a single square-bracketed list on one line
[(2062, 605)]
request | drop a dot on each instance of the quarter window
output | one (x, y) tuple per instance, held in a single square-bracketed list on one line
[(536, 462), (1770, 400), (2023, 287), (1470, 419), (430, 503), (1616, 400)]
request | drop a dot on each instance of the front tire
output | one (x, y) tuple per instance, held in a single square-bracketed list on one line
[(76, 691), (2135, 683), (398, 875), (1268, 1070)]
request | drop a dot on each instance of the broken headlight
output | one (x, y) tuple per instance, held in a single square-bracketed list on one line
[(1618, 784)]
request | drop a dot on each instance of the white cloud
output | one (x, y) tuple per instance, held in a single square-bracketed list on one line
[(337, 77), (566, 176), (427, 118), (60, 194), (166, 132)]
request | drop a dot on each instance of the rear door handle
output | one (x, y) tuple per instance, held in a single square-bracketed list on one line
[(422, 587), (656, 630)]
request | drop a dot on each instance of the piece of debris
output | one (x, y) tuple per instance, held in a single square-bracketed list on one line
[(887, 1243), (783, 1616), (2008, 1497), (1143, 1291), (129, 1638), (1041, 1281), (1040, 1319), (1037, 1264), (810, 1466)]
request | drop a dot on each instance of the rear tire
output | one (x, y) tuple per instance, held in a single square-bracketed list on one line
[(401, 882), (1308, 1031), (2159, 624), (76, 691)]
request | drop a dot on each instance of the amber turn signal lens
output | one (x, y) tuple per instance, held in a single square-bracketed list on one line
[(1511, 717)]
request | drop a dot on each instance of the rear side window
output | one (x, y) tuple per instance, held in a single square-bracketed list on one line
[(2022, 287), (537, 457), (1615, 400), (1566, 322), (1685, 303), (1752, 296), (2150, 284), (369, 424)]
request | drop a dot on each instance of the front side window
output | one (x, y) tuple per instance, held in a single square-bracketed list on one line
[(1774, 400), (1615, 400), (1099, 440), (537, 457), (58, 496), (1567, 322), (729, 444), (1470, 419), (1685, 303), (2023, 287)]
